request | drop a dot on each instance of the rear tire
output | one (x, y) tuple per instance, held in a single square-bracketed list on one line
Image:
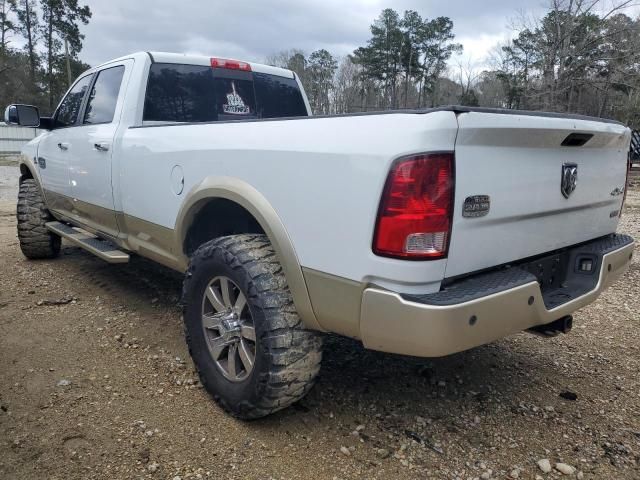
[(284, 358), (35, 240)]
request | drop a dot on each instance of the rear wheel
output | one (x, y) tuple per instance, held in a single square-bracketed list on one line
[(228, 329), (35, 240), (248, 343)]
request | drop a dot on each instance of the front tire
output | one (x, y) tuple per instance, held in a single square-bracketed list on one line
[(35, 240), (247, 341)]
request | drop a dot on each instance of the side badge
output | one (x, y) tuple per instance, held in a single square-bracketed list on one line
[(476, 206)]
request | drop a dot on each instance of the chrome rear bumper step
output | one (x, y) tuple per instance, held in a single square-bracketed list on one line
[(101, 248)]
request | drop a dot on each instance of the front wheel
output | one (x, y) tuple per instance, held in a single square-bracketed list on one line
[(247, 341), (35, 240)]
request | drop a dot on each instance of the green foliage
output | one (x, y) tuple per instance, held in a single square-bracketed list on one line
[(411, 47), (469, 98), (400, 66), (7, 25), (322, 67), (40, 73), (575, 61), (570, 60)]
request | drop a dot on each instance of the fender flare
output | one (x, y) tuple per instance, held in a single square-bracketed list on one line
[(256, 204)]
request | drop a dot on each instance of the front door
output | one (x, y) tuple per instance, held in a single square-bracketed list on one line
[(90, 165), (54, 149)]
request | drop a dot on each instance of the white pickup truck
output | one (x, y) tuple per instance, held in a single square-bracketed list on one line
[(417, 232)]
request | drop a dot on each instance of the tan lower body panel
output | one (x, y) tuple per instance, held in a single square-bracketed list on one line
[(336, 302), (136, 235), (92, 217), (392, 324), (164, 245), (152, 241)]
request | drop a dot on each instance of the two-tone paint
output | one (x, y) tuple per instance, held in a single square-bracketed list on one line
[(314, 185)]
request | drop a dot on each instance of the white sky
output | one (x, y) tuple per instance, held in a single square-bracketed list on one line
[(253, 29)]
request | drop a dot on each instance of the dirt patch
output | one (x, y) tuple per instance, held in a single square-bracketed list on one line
[(9, 175), (8, 160), (101, 387)]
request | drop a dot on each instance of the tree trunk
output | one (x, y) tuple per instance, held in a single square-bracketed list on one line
[(408, 75), (525, 91), (68, 61), (570, 95), (30, 46), (603, 104), (50, 58), (4, 29)]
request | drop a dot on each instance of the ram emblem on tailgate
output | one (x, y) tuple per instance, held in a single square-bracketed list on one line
[(569, 179)]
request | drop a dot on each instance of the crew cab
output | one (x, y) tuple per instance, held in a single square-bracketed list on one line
[(423, 232)]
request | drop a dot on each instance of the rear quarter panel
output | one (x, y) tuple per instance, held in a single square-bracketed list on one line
[(323, 177)]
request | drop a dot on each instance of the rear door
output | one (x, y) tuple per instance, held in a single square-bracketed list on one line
[(526, 185), (90, 166)]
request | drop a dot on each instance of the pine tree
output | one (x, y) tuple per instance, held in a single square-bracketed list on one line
[(7, 25), (61, 19), (322, 67), (28, 26)]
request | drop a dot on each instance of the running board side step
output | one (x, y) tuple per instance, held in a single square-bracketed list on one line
[(103, 249)]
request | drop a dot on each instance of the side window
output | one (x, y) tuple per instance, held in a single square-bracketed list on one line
[(104, 96), (69, 109)]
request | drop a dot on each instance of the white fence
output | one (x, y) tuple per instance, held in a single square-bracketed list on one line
[(12, 138)]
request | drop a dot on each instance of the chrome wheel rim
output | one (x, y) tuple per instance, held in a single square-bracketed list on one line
[(228, 329)]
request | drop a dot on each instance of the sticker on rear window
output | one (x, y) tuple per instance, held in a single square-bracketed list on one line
[(235, 105)]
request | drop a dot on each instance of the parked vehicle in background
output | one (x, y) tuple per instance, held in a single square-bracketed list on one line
[(634, 157), (417, 232)]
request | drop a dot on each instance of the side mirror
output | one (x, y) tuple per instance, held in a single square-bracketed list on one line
[(23, 115)]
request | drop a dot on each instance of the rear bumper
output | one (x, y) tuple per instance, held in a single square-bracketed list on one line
[(484, 308)]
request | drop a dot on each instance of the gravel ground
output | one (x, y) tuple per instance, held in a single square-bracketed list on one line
[(8, 180), (96, 383)]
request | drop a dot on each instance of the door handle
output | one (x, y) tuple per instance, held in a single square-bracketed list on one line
[(63, 146), (101, 146)]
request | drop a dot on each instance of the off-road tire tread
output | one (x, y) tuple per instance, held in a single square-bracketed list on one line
[(294, 353), (35, 240)]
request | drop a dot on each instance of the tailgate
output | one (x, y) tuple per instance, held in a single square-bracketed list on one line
[(519, 162)]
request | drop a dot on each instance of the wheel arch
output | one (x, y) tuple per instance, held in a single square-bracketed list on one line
[(27, 171), (246, 197)]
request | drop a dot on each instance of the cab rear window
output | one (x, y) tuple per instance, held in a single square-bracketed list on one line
[(193, 93), (278, 96)]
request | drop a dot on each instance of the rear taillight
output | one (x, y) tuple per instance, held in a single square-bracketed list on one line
[(414, 218), (230, 64)]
